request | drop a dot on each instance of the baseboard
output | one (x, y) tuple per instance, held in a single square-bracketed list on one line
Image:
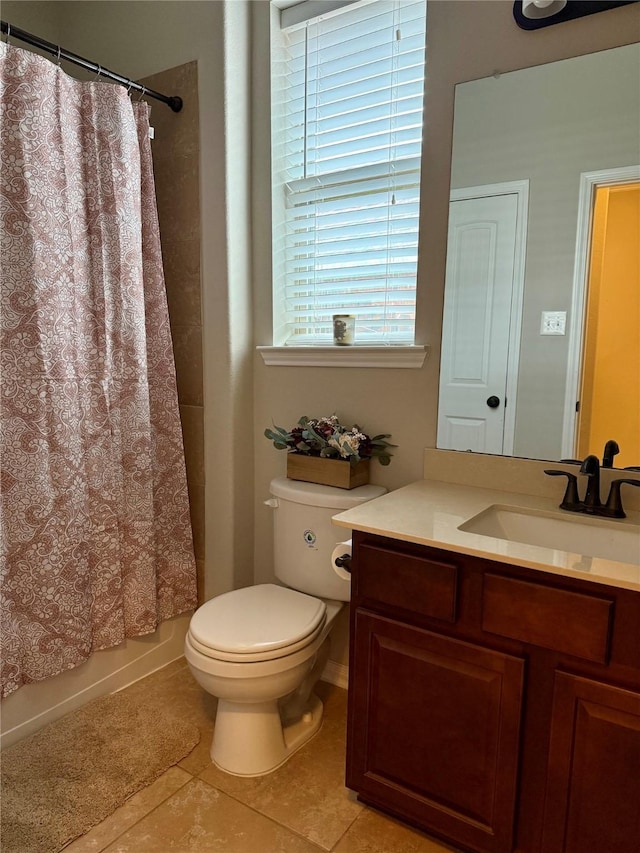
[(35, 705), (336, 673)]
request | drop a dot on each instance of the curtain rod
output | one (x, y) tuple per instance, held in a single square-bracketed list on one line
[(173, 101)]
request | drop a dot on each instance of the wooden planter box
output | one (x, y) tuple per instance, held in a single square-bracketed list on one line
[(327, 472)]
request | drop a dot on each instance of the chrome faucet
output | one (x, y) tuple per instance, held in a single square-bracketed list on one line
[(591, 469)]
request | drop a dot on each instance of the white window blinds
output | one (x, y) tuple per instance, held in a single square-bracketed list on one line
[(348, 98)]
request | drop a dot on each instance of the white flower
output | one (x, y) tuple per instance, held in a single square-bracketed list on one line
[(349, 444), (333, 442)]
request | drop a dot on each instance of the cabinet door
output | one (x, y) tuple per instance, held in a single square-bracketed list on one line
[(433, 731), (593, 785)]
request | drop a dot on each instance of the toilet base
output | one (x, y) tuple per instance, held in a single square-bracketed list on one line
[(250, 740)]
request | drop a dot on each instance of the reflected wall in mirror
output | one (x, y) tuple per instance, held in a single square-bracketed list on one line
[(540, 352)]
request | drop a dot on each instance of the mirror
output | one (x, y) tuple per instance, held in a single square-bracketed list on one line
[(541, 327)]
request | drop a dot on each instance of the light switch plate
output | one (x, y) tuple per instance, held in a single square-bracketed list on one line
[(553, 322)]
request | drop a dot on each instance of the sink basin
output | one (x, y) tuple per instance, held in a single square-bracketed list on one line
[(593, 537)]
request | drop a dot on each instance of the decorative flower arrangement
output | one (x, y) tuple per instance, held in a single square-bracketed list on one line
[(328, 438)]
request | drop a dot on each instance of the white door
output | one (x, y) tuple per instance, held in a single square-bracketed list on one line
[(476, 324)]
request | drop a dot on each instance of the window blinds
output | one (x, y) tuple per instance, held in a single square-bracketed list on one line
[(347, 161)]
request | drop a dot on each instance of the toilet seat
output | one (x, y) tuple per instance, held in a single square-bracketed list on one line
[(257, 623)]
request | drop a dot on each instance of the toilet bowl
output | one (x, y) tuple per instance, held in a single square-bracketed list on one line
[(261, 649), (266, 710)]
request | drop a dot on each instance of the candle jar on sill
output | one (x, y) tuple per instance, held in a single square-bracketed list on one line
[(344, 326)]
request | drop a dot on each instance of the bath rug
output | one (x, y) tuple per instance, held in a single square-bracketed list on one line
[(73, 773)]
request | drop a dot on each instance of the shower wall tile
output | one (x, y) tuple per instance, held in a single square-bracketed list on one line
[(192, 418), (200, 580), (196, 503), (182, 275), (176, 154), (178, 197), (187, 351), (180, 129)]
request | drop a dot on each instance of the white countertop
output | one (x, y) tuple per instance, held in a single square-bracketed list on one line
[(429, 513)]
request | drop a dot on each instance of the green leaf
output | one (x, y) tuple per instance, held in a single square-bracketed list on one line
[(276, 434), (382, 444)]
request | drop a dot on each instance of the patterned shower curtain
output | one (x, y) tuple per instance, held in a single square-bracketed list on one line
[(96, 538)]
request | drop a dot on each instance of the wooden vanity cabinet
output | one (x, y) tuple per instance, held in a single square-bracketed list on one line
[(434, 711), (495, 707), (593, 782)]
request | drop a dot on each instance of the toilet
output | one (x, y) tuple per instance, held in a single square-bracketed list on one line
[(260, 650)]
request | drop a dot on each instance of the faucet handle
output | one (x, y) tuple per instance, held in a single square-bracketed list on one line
[(613, 507), (571, 500)]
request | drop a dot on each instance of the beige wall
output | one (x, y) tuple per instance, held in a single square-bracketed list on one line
[(37, 16)]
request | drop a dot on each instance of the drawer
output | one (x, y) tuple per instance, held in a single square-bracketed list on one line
[(418, 584), (568, 622)]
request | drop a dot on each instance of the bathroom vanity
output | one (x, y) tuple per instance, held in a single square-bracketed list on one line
[(494, 690)]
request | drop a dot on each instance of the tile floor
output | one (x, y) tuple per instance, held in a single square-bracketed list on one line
[(303, 807)]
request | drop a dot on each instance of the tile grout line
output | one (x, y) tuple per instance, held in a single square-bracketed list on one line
[(144, 816), (167, 679), (266, 816), (359, 815)]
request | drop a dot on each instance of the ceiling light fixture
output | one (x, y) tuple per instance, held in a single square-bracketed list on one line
[(533, 14), (542, 8)]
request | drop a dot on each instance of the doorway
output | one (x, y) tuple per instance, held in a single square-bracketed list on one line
[(604, 328), (610, 382)]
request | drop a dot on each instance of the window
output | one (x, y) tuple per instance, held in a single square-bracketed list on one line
[(347, 97)]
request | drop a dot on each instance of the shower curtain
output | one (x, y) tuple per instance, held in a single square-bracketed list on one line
[(96, 537)]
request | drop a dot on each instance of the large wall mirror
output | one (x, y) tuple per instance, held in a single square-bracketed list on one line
[(541, 327)]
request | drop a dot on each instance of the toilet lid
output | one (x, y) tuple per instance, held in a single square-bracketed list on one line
[(257, 620)]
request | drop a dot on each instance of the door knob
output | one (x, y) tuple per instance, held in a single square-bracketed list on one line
[(493, 402)]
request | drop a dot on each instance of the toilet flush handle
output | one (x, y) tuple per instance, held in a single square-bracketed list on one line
[(272, 502)]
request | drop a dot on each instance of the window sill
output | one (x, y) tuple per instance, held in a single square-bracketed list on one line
[(332, 356)]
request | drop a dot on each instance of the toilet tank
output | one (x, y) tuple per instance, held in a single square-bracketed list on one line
[(304, 537)]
